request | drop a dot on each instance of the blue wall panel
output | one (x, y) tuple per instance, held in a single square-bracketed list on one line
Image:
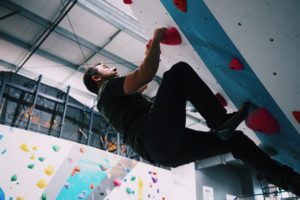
[(216, 50)]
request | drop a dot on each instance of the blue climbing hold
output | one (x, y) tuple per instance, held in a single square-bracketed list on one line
[(2, 195)]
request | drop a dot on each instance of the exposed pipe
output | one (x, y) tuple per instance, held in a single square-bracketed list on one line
[(214, 161), (10, 14)]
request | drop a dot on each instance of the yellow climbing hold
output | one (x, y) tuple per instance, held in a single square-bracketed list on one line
[(140, 188), (32, 157), (35, 148), (20, 198), (42, 184), (49, 170), (24, 147)]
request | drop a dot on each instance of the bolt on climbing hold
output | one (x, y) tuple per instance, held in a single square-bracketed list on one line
[(236, 64), (181, 5), (262, 120)]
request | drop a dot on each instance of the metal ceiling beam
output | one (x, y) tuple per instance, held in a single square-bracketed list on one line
[(9, 15), (7, 65), (45, 34), (71, 36), (116, 17), (40, 52)]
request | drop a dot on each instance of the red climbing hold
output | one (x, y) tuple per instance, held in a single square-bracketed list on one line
[(221, 99), (181, 5), (92, 186), (117, 182), (171, 37), (297, 115), (261, 120), (235, 64), (127, 1)]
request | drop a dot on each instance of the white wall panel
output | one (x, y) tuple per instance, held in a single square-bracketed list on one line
[(65, 48), (88, 26), (55, 72), (45, 8), (268, 38), (10, 52), (123, 7), (21, 28), (127, 48)]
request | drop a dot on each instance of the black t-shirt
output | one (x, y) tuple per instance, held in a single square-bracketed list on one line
[(126, 113)]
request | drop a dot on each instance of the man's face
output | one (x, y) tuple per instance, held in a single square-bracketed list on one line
[(106, 72)]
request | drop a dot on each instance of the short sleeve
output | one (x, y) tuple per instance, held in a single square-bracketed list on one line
[(115, 87)]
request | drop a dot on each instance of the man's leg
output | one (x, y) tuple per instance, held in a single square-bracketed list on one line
[(199, 94), (188, 84), (282, 176), (165, 128), (198, 145)]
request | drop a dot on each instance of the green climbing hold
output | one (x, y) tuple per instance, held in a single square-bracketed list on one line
[(128, 190), (44, 196), (31, 166), (133, 178), (14, 177), (56, 148), (41, 159)]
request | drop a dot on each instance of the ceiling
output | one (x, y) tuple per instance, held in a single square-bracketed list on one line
[(59, 40)]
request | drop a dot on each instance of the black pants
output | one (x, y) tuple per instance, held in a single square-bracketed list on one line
[(167, 141)]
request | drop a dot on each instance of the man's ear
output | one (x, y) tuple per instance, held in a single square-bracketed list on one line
[(96, 78)]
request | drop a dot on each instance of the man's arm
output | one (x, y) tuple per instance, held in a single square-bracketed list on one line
[(147, 70)]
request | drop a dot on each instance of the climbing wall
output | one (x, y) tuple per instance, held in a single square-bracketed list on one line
[(243, 51), (36, 166)]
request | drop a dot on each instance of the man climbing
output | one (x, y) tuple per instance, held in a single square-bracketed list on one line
[(157, 132)]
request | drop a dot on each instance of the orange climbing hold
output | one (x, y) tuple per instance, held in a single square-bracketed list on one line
[(181, 5), (297, 115), (221, 99), (75, 170), (171, 37), (127, 1), (261, 120), (236, 64)]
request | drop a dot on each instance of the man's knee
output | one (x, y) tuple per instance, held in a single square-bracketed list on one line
[(181, 66), (178, 69)]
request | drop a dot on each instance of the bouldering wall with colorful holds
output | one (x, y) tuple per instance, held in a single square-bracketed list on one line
[(46, 167), (29, 162), (215, 41)]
